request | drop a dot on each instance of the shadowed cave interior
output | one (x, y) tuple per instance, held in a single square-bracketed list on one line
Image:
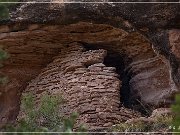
[(117, 60)]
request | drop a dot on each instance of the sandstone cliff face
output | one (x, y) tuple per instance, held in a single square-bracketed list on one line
[(150, 19), (47, 56), (174, 49), (33, 48)]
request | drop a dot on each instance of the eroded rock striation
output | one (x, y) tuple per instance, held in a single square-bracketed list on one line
[(150, 19), (57, 48)]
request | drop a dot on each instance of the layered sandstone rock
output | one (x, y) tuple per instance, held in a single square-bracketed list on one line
[(135, 32), (150, 19), (174, 40), (33, 46), (151, 81)]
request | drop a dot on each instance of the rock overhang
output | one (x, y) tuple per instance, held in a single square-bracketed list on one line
[(130, 36)]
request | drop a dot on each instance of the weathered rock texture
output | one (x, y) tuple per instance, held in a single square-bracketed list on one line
[(151, 81), (174, 39), (89, 87), (151, 20), (149, 74), (157, 117), (34, 46)]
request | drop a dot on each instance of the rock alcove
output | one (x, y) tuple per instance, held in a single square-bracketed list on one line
[(79, 61)]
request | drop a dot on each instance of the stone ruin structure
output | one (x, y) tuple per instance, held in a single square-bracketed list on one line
[(87, 85), (104, 66)]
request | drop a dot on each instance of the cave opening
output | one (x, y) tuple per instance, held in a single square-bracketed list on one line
[(115, 59), (119, 60)]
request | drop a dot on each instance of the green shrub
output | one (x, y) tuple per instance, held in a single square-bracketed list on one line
[(160, 123), (4, 11), (45, 118), (176, 112), (124, 127), (3, 56)]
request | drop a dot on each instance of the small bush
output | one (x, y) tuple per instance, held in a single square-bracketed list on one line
[(4, 11), (124, 127), (3, 56), (158, 124), (176, 112), (45, 118)]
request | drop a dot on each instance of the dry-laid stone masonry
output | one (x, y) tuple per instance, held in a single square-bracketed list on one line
[(87, 85)]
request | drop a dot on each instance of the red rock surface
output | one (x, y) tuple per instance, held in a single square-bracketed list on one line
[(88, 87), (174, 38), (32, 48)]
